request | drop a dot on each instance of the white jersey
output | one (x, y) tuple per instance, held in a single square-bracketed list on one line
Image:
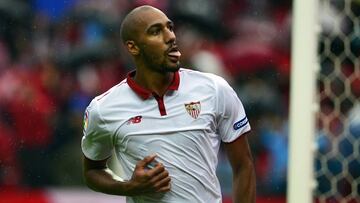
[(184, 128)]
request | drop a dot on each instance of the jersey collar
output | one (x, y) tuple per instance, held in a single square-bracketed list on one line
[(144, 93)]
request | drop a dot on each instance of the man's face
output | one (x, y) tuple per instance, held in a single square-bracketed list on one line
[(157, 42)]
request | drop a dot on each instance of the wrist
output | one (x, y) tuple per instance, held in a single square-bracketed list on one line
[(127, 188)]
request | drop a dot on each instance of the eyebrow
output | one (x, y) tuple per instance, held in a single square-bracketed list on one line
[(169, 22)]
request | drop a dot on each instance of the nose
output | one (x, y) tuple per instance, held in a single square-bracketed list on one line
[(169, 36)]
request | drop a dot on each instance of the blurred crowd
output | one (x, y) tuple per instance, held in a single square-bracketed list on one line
[(55, 56)]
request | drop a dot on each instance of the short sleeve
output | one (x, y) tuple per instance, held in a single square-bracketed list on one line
[(232, 120), (96, 143)]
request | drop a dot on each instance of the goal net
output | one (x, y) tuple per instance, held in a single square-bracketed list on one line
[(337, 156), (324, 160)]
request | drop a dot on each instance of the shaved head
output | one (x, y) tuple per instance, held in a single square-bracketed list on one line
[(129, 29), (149, 37)]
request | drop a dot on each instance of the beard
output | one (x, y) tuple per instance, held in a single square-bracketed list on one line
[(160, 64)]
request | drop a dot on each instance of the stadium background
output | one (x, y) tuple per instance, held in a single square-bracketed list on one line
[(57, 55)]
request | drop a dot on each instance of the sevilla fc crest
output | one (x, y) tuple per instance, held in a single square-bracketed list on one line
[(193, 109)]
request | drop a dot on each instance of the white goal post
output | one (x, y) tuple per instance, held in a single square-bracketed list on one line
[(302, 101)]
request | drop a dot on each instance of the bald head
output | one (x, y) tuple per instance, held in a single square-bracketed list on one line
[(129, 29)]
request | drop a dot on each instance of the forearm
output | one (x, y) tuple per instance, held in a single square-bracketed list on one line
[(144, 180), (244, 184), (105, 181)]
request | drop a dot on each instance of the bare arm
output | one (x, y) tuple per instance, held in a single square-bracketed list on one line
[(100, 178), (244, 181)]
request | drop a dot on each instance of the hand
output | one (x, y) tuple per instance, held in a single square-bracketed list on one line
[(145, 180)]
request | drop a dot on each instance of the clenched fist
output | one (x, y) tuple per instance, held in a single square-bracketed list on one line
[(149, 180)]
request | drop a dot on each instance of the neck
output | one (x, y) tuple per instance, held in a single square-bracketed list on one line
[(154, 81)]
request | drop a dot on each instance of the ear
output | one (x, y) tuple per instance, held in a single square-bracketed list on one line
[(132, 48)]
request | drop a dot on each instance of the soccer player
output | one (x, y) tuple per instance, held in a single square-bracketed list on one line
[(165, 124)]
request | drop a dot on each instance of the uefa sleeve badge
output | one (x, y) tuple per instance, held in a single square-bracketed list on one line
[(241, 123)]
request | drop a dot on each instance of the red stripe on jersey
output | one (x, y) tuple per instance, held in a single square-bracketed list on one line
[(107, 92), (161, 105), (103, 95), (121, 83)]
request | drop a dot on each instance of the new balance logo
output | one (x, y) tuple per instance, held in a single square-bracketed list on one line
[(134, 120)]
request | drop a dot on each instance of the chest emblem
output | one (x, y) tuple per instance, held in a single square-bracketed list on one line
[(193, 109)]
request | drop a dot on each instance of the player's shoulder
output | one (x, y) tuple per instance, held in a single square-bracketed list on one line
[(110, 95), (203, 77)]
